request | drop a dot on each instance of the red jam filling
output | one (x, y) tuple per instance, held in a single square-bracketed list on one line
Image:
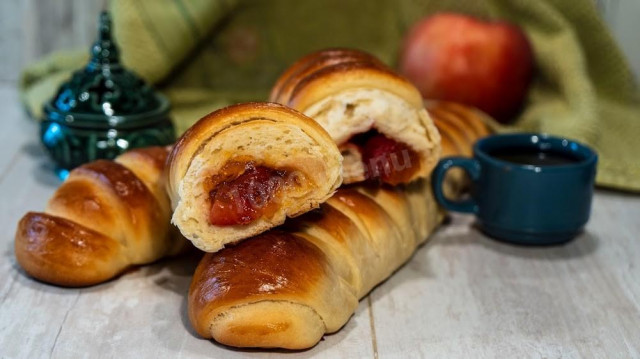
[(385, 159), (246, 197)]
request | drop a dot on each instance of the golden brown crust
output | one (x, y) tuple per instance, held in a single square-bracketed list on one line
[(350, 92), (463, 128), (208, 126), (132, 210), (333, 79), (304, 61), (372, 216), (474, 118), (251, 271), (311, 63), (102, 220), (314, 76), (460, 126), (450, 146), (231, 116), (154, 156), (337, 236), (124, 184), (463, 140), (286, 288), (329, 219), (307, 61), (77, 200), (148, 165), (62, 252)]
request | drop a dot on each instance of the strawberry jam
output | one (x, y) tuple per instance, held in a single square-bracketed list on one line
[(385, 159), (248, 196)]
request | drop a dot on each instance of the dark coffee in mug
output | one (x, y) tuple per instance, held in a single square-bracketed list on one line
[(534, 157), (525, 188)]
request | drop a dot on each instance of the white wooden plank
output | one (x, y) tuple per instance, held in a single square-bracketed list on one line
[(27, 306), (30, 29), (19, 133), (54, 26), (143, 315), (465, 295), (622, 18), (10, 39)]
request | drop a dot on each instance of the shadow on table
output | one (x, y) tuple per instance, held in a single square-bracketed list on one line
[(583, 245), (176, 277), (443, 250), (21, 278), (176, 274), (43, 170)]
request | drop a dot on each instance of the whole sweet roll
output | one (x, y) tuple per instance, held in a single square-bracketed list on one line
[(375, 116), (106, 217), (242, 170), (286, 288)]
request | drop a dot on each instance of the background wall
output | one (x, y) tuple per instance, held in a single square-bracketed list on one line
[(30, 29), (623, 18)]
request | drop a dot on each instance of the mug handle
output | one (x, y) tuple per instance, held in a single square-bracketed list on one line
[(471, 166)]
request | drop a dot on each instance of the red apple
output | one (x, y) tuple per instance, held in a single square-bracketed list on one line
[(460, 58)]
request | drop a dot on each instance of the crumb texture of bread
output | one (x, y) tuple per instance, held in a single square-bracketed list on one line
[(355, 111), (351, 92), (268, 135)]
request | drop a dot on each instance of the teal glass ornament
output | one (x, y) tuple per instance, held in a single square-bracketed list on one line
[(103, 110)]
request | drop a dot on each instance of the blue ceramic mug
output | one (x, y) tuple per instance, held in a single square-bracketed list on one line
[(525, 188)]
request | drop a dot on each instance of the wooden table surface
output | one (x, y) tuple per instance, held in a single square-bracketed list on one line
[(461, 295)]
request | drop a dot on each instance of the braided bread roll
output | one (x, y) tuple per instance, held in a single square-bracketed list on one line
[(242, 170), (460, 126), (287, 288), (376, 117), (106, 217)]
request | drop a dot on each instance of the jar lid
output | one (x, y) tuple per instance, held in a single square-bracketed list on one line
[(104, 94)]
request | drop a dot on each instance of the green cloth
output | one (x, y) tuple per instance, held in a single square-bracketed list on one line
[(205, 54)]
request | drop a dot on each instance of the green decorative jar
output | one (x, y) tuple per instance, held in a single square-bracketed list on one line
[(103, 110)]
